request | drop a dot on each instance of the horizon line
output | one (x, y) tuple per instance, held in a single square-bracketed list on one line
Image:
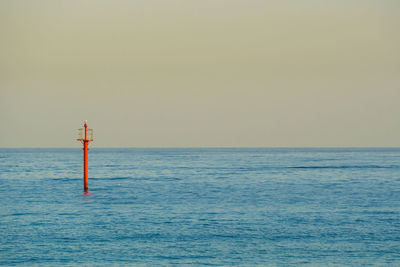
[(217, 147)]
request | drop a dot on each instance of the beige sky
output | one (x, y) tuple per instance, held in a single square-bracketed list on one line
[(204, 73)]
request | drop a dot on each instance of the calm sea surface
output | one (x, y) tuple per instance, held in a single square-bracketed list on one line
[(242, 207)]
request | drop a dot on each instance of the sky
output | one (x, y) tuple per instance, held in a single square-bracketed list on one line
[(209, 73)]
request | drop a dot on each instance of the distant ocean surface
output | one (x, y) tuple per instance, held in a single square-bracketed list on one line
[(216, 207)]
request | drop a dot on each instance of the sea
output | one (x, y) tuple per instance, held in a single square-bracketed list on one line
[(201, 207)]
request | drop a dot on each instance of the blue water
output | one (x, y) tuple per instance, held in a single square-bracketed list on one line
[(231, 207)]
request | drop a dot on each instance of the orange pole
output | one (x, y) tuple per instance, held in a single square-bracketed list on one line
[(85, 166), (85, 141), (85, 161)]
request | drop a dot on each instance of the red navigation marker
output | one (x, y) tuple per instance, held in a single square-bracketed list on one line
[(85, 139)]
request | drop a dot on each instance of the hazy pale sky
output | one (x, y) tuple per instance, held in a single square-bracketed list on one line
[(170, 73)]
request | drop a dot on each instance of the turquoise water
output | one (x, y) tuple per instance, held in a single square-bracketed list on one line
[(218, 207)]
